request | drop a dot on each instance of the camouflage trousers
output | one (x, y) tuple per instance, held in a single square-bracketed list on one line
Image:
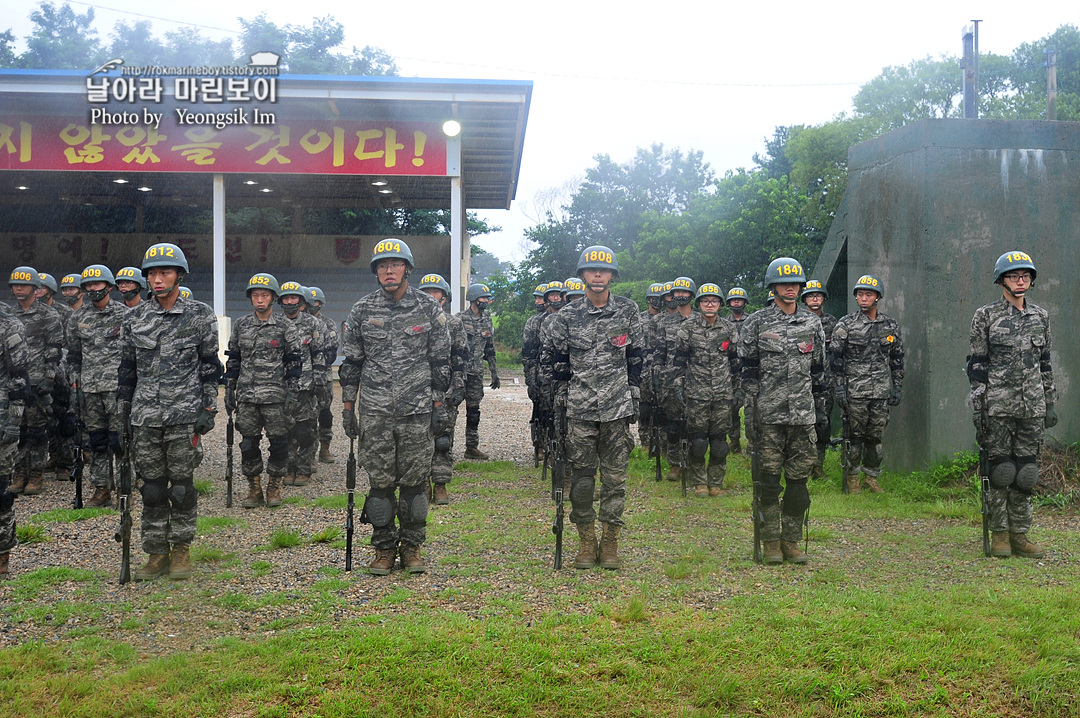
[(708, 424), (736, 407), (251, 421), (102, 424), (396, 451), (823, 430), (866, 423), (788, 450), (673, 429), (324, 396), (8, 537), (166, 457), (474, 393), (35, 439), (442, 462), (303, 437), (1018, 441), (605, 444)]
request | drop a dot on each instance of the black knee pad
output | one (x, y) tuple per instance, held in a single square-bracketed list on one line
[(674, 432), (7, 499), (698, 446), (442, 443), (155, 493), (305, 433), (99, 440), (279, 449), (472, 417), (249, 449), (182, 494), (582, 486), (1027, 473), (718, 449), (412, 505), (769, 488), (796, 498), (326, 418), (378, 508), (1002, 472)]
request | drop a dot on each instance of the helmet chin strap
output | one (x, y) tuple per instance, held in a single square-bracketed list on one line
[(167, 292)]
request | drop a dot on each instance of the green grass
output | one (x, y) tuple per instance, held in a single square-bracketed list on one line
[(327, 535), (31, 533), (205, 553), (210, 524), (205, 487), (66, 516), (285, 538)]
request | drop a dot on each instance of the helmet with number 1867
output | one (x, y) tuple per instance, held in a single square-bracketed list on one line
[(435, 281), (598, 257)]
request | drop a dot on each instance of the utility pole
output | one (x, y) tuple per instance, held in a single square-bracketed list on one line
[(971, 70), (1051, 84)]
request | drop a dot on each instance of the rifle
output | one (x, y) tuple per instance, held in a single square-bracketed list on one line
[(684, 451), (984, 484), (350, 489), (229, 438), (536, 429), (558, 481), (76, 474), (123, 535)]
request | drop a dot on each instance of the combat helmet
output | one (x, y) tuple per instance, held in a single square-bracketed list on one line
[(263, 280), (435, 281), (685, 284), (1011, 261), (391, 248), (869, 281), (814, 286), (598, 257), (97, 273), (25, 275), (784, 270)]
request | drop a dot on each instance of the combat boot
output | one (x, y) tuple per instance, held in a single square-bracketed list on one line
[(383, 563), (325, 455), (817, 473), (1000, 546), (273, 491), (1022, 547), (156, 565), (4, 562), (701, 491), (301, 479), (18, 482), (609, 547), (180, 562), (101, 497), (289, 479), (33, 486), (586, 555), (471, 452), (440, 497), (772, 553), (872, 484), (255, 495), (716, 491), (792, 552), (852, 482), (411, 560), (675, 474), (51, 463)]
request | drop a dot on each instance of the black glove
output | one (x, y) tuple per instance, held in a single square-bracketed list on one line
[(66, 425), (440, 420), (495, 383), (1051, 418), (348, 423), (204, 422), (230, 397), (894, 396)]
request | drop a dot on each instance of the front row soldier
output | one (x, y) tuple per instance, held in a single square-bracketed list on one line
[(782, 355), (14, 393), (93, 335), (168, 386), (397, 355), (481, 335), (705, 360), (324, 394), (866, 356), (594, 357), (302, 404), (1012, 395), (813, 296), (262, 368), (442, 463), (683, 290), (736, 301)]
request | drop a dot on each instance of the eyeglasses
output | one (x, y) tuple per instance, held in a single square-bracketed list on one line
[(386, 266), (1017, 277)]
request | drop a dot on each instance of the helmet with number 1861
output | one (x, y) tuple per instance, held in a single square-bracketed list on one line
[(598, 257), (784, 270), (573, 288)]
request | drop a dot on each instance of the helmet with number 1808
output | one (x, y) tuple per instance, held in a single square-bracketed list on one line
[(870, 282), (391, 248), (598, 257), (1011, 261), (784, 270), (263, 280), (164, 254)]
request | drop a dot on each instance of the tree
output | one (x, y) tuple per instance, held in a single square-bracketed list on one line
[(62, 39), (310, 50)]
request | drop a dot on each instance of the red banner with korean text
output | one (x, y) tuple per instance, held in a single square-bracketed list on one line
[(287, 145)]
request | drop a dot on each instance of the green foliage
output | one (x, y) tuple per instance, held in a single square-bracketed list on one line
[(62, 39), (31, 533), (204, 487), (205, 553), (66, 516), (285, 538), (209, 524), (327, 535)]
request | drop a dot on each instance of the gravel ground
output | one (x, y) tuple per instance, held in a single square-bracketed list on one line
[(161, 616)]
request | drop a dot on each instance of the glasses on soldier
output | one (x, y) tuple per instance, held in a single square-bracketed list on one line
[(712, 301), (1018, 276), (386, 265)]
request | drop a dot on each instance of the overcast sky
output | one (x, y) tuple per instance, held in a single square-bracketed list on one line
[(613, 76)]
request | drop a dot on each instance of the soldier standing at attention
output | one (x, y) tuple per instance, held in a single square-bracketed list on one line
[(736, 301), (324, 395), (442, 462), (654, 298), (14, 392), (1013, 395), (663, 362), (131, 284), (813, 296), (302, 406), (782, 355), (44, 340), (530, 356), (595, 349), (397, 354), (93, 334), (62, 420), (866, 356), (71, 290), (480, 332), (168, 386), (705, 359)]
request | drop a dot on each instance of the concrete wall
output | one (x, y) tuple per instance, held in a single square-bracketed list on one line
[(928, 209)]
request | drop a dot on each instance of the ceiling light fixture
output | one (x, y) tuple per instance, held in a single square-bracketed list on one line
[(379, 183), (266, 189), (386, 191), (250, 182), (120, 180), (144, 189), (22, 187)]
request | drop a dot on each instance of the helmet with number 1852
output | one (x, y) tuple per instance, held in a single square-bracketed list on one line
[(263, 280)]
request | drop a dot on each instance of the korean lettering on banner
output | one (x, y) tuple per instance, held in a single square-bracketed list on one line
[(16, 143), (71, 246), (25, 248)]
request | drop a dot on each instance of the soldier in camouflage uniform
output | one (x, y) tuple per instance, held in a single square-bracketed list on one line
[(1013, 396), (530, 354), (481, 334), (62, 419), (304, 407), (168, 379), (14, 392), (131, 284), (397, 354), (44, 339), (442, 462), (736, 301), (594, 353), (93, 343), (324, 395), (663, 363), (866, 356), (782, 356), (654, 298), (813, 296), (262, 371), (71, 290), (706, 357)]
